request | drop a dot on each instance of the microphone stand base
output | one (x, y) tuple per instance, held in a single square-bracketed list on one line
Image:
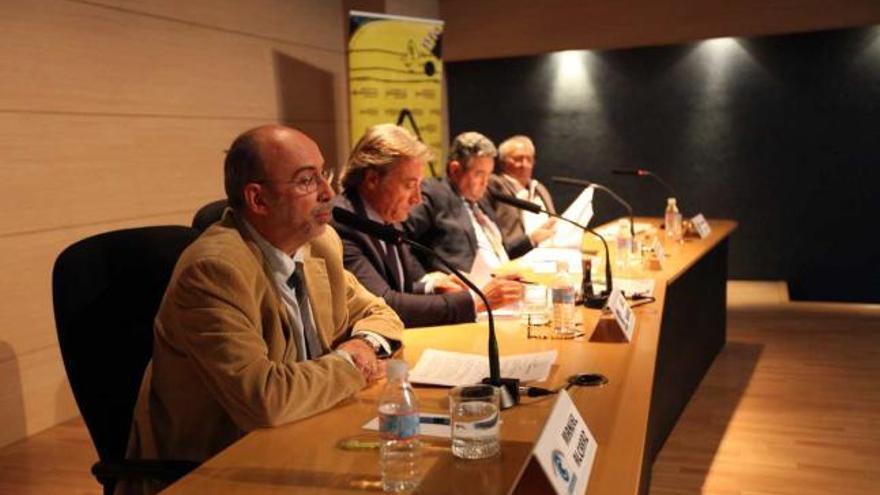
[(596, 302), (509, 391)]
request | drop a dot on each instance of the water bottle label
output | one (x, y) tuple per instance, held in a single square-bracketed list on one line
[(563, 296), (398, 426)]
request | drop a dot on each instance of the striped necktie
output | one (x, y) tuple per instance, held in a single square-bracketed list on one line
[(297, 282)]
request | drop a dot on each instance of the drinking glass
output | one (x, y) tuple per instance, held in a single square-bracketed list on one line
[(534, 305), (475, 421)]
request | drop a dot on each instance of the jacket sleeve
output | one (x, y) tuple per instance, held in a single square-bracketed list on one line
[(416, 310), (219, 324)]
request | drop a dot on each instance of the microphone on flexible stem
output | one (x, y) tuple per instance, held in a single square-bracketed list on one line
[(509, 386), (640, 172), (586, 183), (591, 300)]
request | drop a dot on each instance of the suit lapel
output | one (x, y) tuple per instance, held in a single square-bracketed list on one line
[(286, 325), (318, 284), (376, 252), (459, 212)]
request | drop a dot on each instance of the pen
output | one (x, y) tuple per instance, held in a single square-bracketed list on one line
[(520, 280)]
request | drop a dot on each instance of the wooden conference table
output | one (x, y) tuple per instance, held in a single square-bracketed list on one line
[(651, 379)]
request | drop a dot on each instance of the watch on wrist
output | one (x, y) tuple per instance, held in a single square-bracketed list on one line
[(377, 348)]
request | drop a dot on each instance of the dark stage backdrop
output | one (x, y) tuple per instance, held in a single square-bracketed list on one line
[(780, 133)]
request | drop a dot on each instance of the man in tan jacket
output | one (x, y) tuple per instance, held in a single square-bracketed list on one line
[(260, 324)]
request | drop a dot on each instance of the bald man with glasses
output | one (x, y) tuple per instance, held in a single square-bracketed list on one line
[(260, 324)]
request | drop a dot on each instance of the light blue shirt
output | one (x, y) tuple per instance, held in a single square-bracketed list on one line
[(281, 267)]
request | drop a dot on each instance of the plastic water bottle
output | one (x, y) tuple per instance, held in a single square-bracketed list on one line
[(672, 220), (400, 450), (563, 294), (624, 243)]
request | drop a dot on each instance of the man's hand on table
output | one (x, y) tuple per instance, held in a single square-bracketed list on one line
[(365, 359)]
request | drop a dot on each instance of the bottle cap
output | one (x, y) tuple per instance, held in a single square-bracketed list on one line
[(670, 201), (396, 369)]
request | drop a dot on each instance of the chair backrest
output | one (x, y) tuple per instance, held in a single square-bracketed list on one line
[(106, 290), (208, 214)]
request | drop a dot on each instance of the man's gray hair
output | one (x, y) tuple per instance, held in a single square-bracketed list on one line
[(506, 147), (468, 145)]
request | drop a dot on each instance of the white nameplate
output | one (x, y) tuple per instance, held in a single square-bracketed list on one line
[(622, 312), (659, 252), (566, 448), (701, 225)]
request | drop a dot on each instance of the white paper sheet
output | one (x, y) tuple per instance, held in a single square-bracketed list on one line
[(427, 425), (581, 212), (452, 369), (543, 259)]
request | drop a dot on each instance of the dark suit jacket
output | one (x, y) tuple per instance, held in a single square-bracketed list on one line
[(442, 222), (363, 256), (510, 218)]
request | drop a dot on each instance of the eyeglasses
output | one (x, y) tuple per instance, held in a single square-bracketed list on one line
[(306, 180)]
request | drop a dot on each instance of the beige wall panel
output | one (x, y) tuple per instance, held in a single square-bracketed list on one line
[(316, 23), (44, 398), (26, 287), (61, 170), (477, 29), (60, 56)]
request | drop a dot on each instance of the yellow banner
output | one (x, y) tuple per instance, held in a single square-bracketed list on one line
[(395, 75)]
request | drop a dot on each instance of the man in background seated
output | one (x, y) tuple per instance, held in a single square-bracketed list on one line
[(260, 324), (517, 160), (382, 182), (457, 220)]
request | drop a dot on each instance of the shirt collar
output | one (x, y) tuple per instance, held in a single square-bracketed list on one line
[(372, 214), (281, 265), (516, 183)]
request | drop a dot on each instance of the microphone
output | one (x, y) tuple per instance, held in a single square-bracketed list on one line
[(595, 301), (640, 172), (586, 183), (509, 386), (378, 230)]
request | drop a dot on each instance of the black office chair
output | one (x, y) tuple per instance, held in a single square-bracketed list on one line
[(208, 214), (106, 291)]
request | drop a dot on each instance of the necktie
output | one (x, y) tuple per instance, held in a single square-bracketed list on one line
[(297, 282), (393, 261), (491, 231)]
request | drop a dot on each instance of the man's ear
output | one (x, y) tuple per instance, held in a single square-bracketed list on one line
[(371, 180), (255, 199), (453, 169)]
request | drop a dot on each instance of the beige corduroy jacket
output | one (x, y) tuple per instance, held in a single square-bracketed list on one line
[(224, 361)]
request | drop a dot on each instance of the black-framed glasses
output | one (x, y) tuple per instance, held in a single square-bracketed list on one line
[(306, 180)]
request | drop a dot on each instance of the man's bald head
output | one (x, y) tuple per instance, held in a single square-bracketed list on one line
[(256, 149)]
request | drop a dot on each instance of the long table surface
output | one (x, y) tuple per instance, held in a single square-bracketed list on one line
[(306, 457)]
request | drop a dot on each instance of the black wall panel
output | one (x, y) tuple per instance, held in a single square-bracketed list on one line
[(780, 133)]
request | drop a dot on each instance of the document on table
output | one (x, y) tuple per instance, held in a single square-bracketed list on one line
[(430, 424), (453, 369), (543, 259)]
